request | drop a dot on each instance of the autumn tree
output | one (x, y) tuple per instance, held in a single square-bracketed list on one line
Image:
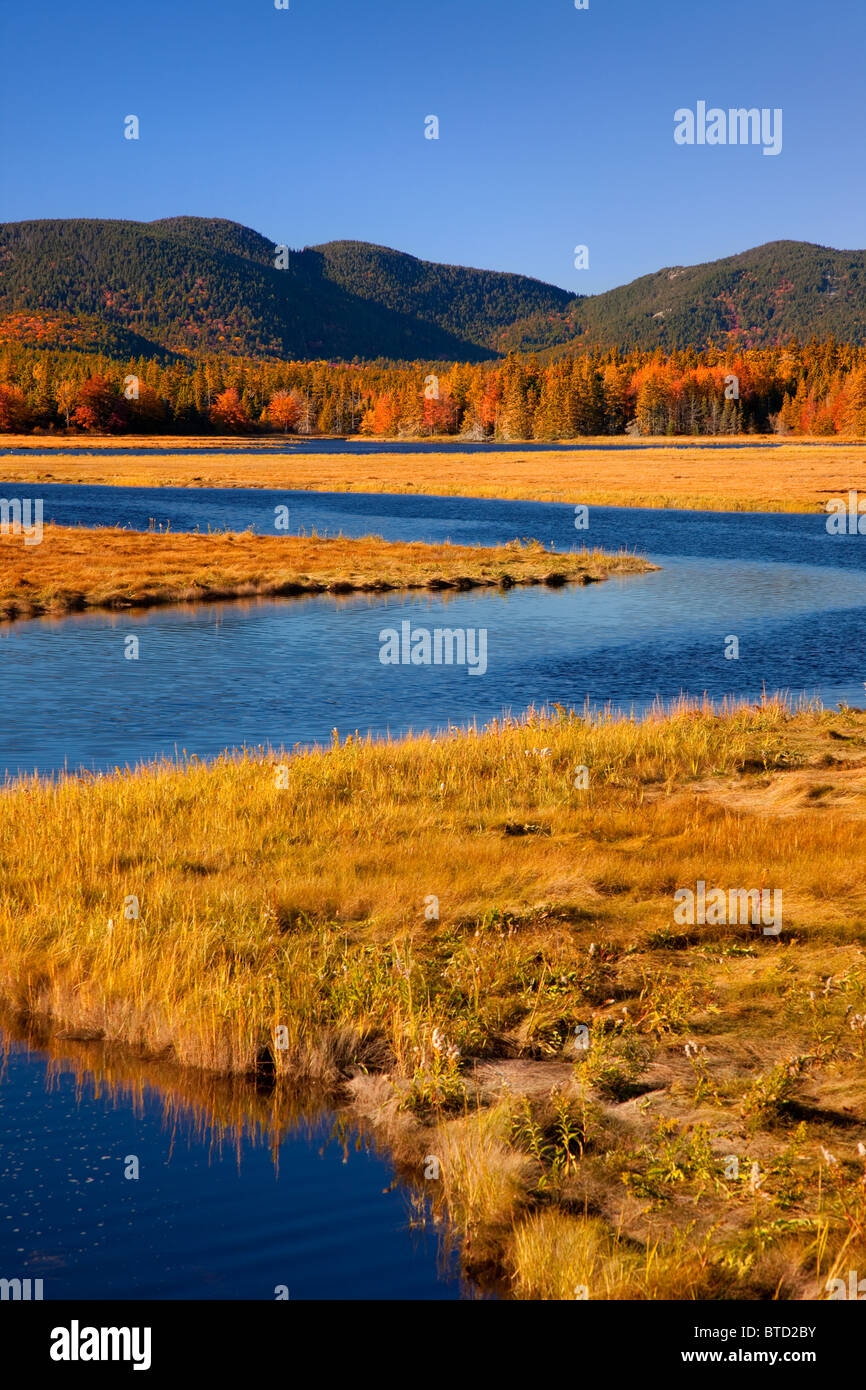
[(438, 414), (381, 418), (100, 407), (14, 411), (65, 393), (283, 410), (148, 410), (229, 413)]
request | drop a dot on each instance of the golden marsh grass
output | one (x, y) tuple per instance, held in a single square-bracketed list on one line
[(236, 872), (756, 475), (110, 567), (271, 911)]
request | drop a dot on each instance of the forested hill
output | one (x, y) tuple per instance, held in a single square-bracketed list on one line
[(196, 286), (203, 285), (480, 305), (758, 298)]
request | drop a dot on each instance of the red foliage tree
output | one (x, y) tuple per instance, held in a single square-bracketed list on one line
[(283, 410), (439, 415), (147, 411), (100, 406), (228, 412)]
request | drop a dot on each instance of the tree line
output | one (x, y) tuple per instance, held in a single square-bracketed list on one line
[(818, 388)]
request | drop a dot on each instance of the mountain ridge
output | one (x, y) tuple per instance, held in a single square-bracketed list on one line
[(191, 286)]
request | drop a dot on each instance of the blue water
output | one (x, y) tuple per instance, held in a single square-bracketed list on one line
[(305, 445), (208, 1216), (777, 537), (281, 672)]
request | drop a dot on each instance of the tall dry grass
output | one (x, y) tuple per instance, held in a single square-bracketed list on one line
[(756, 475), (110, 567), (305, 903), (284, 924)]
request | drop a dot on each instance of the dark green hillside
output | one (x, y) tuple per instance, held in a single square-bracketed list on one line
[(475, 304), (196, 285), (760, 297)]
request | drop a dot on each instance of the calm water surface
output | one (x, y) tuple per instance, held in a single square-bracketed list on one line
[(281, 672), (214, 1213)]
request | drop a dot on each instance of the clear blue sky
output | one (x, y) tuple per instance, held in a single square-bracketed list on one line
[(556, 125)]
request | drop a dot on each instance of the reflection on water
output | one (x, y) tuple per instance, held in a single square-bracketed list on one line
[(283, 672), (238, 1191)]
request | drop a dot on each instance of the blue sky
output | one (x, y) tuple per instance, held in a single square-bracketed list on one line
[(556, 125)]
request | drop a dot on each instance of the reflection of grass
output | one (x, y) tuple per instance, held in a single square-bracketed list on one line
[(110, 567), (711, 475), (224, 1111), (296, 900)]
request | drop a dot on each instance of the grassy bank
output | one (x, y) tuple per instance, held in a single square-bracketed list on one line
[(715, 476), (438, 920), (109, 567)]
